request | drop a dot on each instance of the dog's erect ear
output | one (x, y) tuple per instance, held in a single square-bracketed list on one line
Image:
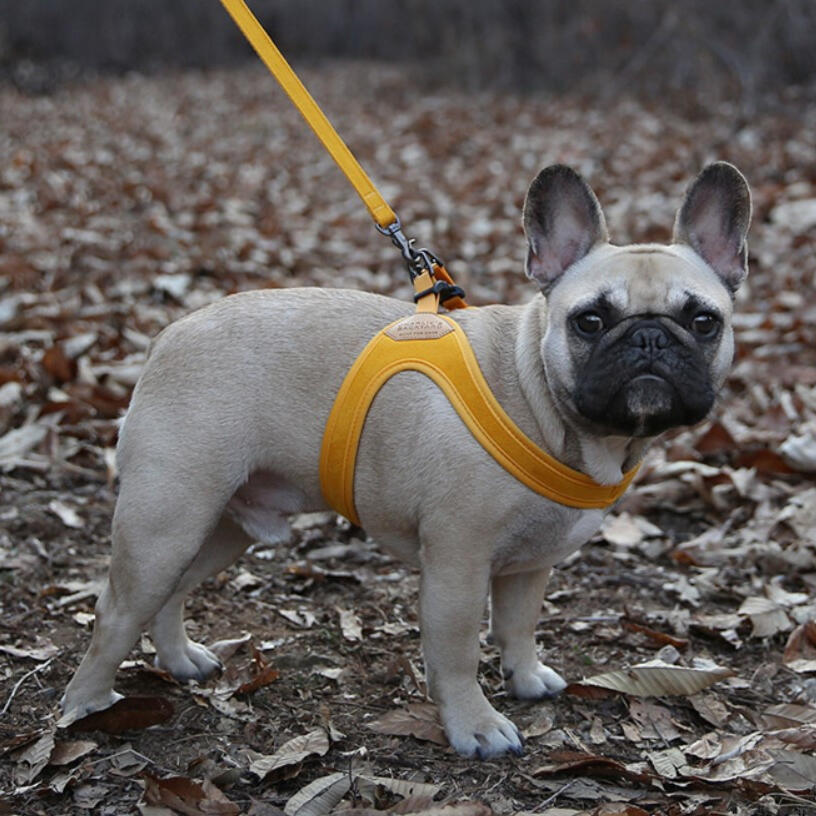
[(562, 221), (714, 221)]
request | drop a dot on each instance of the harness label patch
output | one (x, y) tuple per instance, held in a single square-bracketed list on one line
[(419, 327)]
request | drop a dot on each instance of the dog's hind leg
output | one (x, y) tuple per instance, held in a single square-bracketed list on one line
[(155, 542), (183, 658)]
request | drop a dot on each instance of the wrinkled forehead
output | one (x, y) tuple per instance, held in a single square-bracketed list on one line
[(647, 278)]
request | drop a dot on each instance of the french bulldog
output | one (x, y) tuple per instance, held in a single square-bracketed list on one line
[(222, 438)]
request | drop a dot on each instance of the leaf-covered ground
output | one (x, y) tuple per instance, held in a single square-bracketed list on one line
[(125, 203)]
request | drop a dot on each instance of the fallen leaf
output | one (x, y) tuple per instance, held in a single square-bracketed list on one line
[(420, 720), (656, 679), (800, 650), (793, 771), (303, 619), (67, 751), (188, 796), (655, 721), (20, 441), (293, 752), (803, 736), (350, 625), (659, 637), (225, 649), (621, 530), (87, 797), (319, 798), (767, 616), (707, 747), (788, 715), (67, 515), (128, 714), (40, 653), (580, 763), (401, 787), (30, 761), (670, 763)]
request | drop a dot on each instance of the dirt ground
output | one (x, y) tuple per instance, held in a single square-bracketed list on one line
[(125, 203)]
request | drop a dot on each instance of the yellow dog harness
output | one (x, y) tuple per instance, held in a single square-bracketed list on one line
[(435, 345)]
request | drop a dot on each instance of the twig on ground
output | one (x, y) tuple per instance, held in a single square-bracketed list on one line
[(22, 680)]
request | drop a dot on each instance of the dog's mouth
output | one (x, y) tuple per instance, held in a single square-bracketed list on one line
[(645, 406)]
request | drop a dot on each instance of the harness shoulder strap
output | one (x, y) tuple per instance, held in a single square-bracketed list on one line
[(435, 345)]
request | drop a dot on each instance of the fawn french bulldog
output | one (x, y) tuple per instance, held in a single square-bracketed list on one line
[(221, 442)]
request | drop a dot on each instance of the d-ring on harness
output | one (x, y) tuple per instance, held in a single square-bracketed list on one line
[(427, 342)]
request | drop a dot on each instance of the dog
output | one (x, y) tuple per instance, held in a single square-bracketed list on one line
[(222, 439)]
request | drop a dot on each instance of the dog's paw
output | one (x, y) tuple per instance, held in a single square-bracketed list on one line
[(488, 735), (73, 710), (193, 662), (539, 682)]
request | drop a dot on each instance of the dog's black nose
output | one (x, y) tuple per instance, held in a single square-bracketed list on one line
[(649, 338)]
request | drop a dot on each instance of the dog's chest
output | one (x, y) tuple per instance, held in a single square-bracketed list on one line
[(540, 539)]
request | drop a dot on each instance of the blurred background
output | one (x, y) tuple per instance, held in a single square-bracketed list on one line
[(736, 48)]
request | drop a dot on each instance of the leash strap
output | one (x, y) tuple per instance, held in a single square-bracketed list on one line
[(382, 214), (386, 220)]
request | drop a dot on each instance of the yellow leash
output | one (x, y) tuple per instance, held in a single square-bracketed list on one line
[(384, 217), (426, 342), (304, 102)]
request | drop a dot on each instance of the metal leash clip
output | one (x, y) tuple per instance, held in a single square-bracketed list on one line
[(419, 261)]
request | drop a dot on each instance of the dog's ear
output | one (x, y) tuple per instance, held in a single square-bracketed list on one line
[(714, 221), (562, 221)]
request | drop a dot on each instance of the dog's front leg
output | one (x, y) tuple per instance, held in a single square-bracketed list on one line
[(515, 606), (452, 600)]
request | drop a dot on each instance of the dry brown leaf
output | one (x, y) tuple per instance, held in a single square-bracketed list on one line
[(67, 751), (613, 809), (319, 798), (39, 653), (187, 796), (293, 752), (655, 721), (622, 530), (420, 720), (711, 708), (659, 637), (350, 625), (670, 763), (657, 679), (584, 764), (225, 649), (800, 650), (263, 676), (803, 736), (788, 715), (30, 761), (66, 514), (401, 787), (708, 746), (127, 714), (58, 364), (767, 616), (793, 771)]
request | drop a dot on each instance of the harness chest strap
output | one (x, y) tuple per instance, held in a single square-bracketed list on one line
[(435, 345)]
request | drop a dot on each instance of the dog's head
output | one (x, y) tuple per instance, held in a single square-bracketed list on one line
[(638, 337)]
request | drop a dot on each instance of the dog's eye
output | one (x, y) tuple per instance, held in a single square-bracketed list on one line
[(589, 323), (704, 324)]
